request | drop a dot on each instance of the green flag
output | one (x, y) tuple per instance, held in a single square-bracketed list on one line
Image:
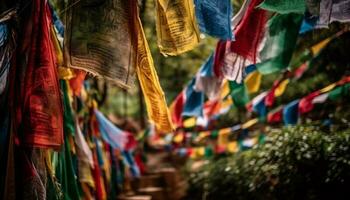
[(280, 42), (239, 94), (68, 113), (340, 91), (284, 6)]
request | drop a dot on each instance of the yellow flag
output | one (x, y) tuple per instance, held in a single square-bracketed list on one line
[(157, 109), (232, 147), (281, 88), (328, 88), (176, 26), (223, 137), (190, 122), (319, 46), (225, 90), (201, 151), (63, 72), (250, 123), (253, 81), (178, 138), (226, 103)]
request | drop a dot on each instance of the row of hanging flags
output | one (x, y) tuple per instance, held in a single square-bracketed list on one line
[(255, 45), (238, 137), (259, 46)]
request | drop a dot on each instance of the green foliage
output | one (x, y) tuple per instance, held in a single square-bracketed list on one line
[(295, 163)]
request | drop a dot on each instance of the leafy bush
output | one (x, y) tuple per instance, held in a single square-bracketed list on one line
[(294, 163)]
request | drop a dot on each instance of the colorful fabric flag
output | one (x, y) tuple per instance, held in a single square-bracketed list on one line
[(275, 116), (305, 104), (85, 158), (232, 147), (176, 26), (284, 6), (76, 83), (189, 122), (110, 133), (308, 24), (343, 90), (290, 113), (298, 73), (333, 10), (258, 104), (39, 106), (315, 49), (280, 42), (320, 98), (65, 171), (233, 64), (281, 88), (248, 36), (206, 81), (194, 101), (238, 17), (100, 39), (239, 94), (249, 32), (176, 109), (157, 109), (250, 123), (270, 97), (253, 82), (214, 17)]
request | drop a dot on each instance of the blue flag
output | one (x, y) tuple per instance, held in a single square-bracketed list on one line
[(290, 113), (214, 18), (194, 101)]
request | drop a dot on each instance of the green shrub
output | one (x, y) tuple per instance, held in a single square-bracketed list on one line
[(295, 163)]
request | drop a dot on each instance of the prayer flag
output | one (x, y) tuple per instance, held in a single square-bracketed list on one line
[(239, 94), (280, 42), (253, 82), (39, 106), (305, 104), (290, 113), (157, 109), (284, 6), (281, 88), (176, 26), (275, 116), (110, 133), (176, 109), (206, 81), (100, 38), (194, 101), (333, 10), (214, 17)]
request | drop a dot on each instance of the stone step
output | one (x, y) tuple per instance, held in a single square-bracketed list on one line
[(157, 193), (155, 180), (135, 197)]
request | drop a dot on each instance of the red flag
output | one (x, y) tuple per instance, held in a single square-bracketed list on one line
[(270, 97), (76, 83), (275, 117), (219, 57), (305, 104), (250, 31), (176, 109), (39, 109)]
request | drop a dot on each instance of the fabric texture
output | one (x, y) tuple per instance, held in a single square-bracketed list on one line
[(177, 31), (214, 17), (284, 6), (100, 37), (39, 111), (280, 42)]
